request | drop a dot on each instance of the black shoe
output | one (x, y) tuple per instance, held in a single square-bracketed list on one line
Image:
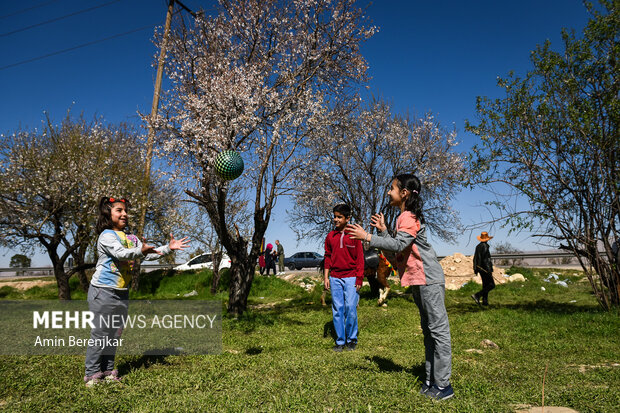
[(440, 394), (350, 346), (485, 303), (476, 299), (425, 388), (338, 348)]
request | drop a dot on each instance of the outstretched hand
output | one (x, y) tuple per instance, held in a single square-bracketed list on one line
[(356, 231), (149, 249), (178, 244), (378, 221)]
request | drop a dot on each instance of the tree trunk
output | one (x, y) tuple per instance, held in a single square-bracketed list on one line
[(84, 283), (216, 281), (81, 271), (64, 292), (135, 276), (241, 277), (216, 259)]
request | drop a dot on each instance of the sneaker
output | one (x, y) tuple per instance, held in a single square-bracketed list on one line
[(425, 388), (440, 394), (111, 376), (338, 348), (93, 380), (476, 299), (350, 346)]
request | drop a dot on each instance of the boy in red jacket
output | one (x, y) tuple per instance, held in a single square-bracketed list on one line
[(344, 272)]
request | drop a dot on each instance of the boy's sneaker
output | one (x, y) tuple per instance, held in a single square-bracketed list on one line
[(111, 376), (351, 345), (425, 388), (338, 348), (93, 380), (440, 394)]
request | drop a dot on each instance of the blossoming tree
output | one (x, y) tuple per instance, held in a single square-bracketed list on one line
[(51, 182), (255, 78), (369, 146)]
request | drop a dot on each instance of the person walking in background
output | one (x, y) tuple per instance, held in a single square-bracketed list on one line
[(280, 252), (344, 273), (269, 260), (483, 266)]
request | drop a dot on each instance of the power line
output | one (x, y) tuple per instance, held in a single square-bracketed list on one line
[(15, 13), (58, 18), (76, 47)]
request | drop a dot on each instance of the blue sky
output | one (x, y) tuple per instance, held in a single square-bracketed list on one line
[(427, 56)]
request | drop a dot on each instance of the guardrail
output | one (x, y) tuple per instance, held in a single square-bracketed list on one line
[(526, 255), (48, 271)]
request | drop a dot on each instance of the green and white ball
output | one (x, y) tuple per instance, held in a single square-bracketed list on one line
[(228, 165)]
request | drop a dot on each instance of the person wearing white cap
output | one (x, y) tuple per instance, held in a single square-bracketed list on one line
[(483, 266)]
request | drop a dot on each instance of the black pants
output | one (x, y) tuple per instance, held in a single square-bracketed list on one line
[(269, 266), (487, 285)]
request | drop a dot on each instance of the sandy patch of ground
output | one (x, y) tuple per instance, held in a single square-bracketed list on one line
[(585, 367), (25, 285), (547, 409)]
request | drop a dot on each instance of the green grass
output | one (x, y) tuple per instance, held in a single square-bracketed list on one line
[(280, 359)]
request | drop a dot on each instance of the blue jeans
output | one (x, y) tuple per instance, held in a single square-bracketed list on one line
[(344, 309)]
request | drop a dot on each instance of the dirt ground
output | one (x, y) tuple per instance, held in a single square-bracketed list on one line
[(24, 285)]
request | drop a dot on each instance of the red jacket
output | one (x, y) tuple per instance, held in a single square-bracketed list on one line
[(344, 257)]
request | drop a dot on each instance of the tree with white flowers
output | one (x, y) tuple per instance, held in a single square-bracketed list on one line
[(366, 148), (51, 181), (256, 78)]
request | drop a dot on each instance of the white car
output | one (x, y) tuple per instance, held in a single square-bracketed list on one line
[(203, 261)]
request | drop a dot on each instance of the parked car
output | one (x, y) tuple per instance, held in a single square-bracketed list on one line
[(301, 260), (203, 261)]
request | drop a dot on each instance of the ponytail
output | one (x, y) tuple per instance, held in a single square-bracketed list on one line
[(413, 203)]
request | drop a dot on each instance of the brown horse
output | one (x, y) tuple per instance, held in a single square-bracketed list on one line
[(377, 268)]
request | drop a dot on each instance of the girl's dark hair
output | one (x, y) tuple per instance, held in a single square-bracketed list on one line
[(413, 203), (105, 212)]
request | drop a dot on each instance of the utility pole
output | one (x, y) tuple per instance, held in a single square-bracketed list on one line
[(151, 135), (153, 116), (135, 277)]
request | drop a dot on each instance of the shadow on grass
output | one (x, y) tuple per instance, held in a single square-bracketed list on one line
[(553, 307), (531, 306), (276, 313), (253, 351), (388, 366), (140, 362), (329, 329)]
